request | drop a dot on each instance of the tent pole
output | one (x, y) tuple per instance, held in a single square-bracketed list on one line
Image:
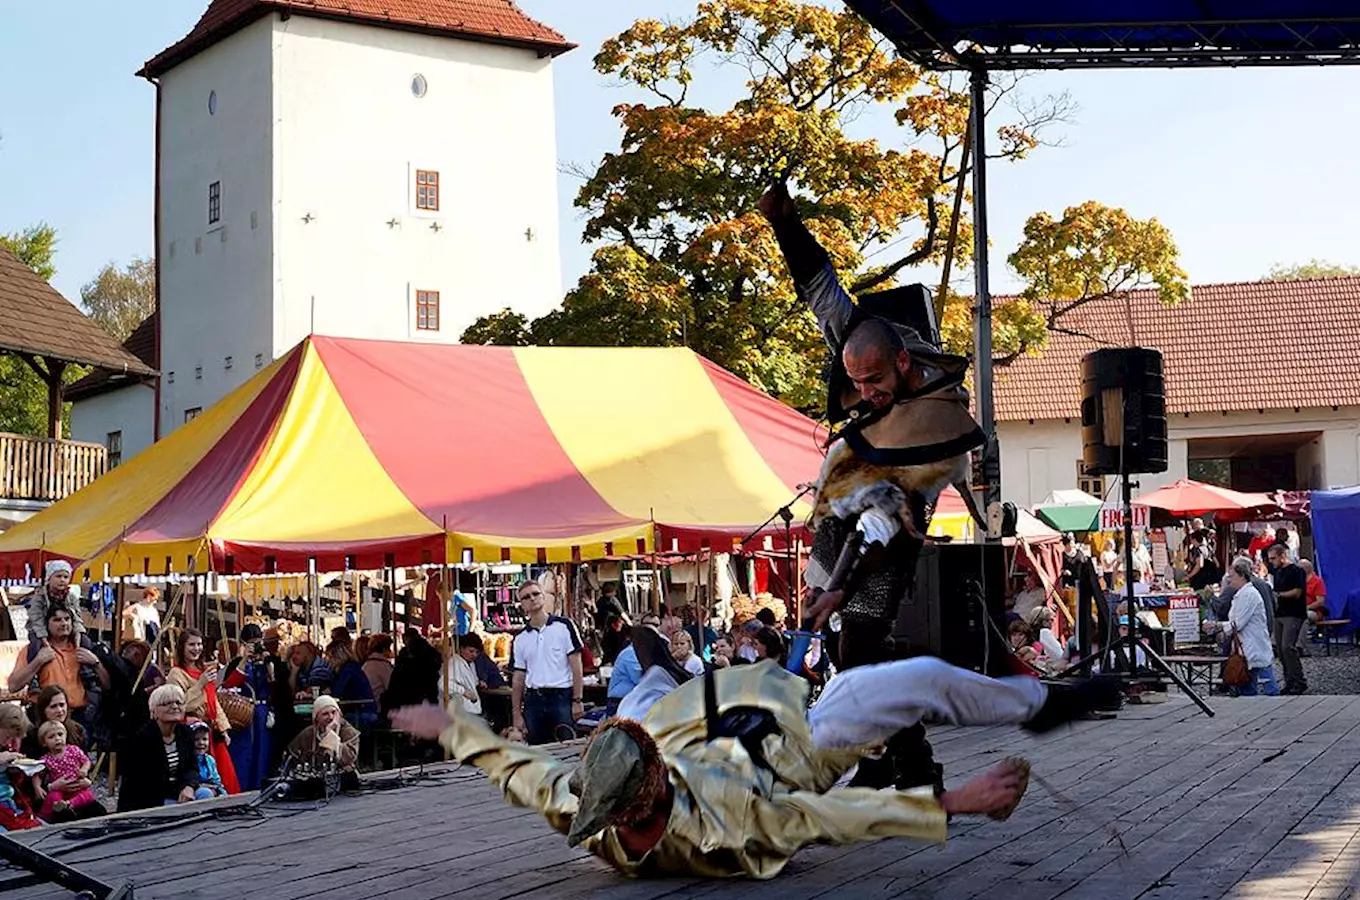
[(446, 585), (982, 303), (118, 605)]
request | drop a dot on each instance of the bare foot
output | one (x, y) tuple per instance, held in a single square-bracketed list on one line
[(996, 793)]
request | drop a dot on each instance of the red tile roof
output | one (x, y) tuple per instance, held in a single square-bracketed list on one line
[(141, 344), (496, 21), (1232, 347), (36, 320)]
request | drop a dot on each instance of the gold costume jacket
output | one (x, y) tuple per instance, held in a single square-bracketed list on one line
[(730, 817)]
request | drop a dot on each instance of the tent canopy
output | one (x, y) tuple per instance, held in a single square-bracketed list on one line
[(361, 453), (1336, 532), (1060, 34), (1070, 510)]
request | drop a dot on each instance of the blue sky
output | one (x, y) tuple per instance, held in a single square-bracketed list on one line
[(1247, 168)]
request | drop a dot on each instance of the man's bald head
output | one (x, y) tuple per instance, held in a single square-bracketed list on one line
[(877, 362), (874, 336)]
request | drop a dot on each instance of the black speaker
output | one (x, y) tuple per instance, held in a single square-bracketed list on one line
[(910, 305), (958, 588), (1123, 411)]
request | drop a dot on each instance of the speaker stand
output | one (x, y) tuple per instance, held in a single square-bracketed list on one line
[(46, 870), (1159, 666)]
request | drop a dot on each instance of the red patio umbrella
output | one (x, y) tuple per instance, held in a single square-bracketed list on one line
[(1188, 498)]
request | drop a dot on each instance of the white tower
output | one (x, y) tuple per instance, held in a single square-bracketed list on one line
[(354, 168)]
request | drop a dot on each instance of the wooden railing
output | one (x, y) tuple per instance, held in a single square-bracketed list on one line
[(43, 469)]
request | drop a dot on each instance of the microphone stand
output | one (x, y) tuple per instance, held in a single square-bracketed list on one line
[(785, 514)]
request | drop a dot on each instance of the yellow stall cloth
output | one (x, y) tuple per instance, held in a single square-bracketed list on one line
[(730, 817)]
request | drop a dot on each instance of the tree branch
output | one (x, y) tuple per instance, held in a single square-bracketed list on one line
[(911, 259)]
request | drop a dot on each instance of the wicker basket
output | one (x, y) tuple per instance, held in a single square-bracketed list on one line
[(239, 708)]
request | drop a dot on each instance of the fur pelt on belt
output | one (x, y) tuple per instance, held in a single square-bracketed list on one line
[(846, 480)]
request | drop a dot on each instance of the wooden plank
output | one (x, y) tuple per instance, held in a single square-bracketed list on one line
[(1262, 800), (1097, 763)]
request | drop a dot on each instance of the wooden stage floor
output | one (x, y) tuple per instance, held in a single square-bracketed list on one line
[(1261, 801)]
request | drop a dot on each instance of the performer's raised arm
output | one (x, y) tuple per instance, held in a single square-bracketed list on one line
[(813, 275), (526, 775)]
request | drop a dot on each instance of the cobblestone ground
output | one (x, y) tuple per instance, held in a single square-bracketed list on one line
[(1335, 674)]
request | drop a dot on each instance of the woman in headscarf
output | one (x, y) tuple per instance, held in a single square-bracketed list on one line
[(329, 743), (196, 675)]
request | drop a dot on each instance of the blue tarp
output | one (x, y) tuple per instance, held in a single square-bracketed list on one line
[(1119, 32), (1336, 534)]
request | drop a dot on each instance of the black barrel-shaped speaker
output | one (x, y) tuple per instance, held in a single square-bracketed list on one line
[(1123, 411)]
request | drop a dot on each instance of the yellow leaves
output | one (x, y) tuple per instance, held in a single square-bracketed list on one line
[(1096, 250)]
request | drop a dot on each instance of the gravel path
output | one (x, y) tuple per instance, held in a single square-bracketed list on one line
[(1335, 674)]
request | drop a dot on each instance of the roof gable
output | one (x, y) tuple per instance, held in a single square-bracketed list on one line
[(1232, 347), (36, 320), (141, 344), (494, 21)]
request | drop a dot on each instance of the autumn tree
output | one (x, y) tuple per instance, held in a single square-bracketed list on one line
[(684, 257), (506, 328), (120, 299), (1314, 268), (23, 395), (1092, 253)]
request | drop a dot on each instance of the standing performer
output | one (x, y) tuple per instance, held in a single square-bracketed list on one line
[(908, 436), (730, 775)]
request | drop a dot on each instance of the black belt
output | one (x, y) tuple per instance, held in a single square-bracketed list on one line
[(547, 690)]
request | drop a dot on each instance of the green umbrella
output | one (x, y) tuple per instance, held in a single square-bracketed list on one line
[(1070, 518), (1070, 511)]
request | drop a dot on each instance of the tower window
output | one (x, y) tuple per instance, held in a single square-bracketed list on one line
[(427, 189), (114, 442), (192, 413), (214, 202), (427, 310)]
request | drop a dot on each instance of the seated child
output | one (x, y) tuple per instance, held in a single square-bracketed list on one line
[(15, 813), (209, 779), (65, 789)]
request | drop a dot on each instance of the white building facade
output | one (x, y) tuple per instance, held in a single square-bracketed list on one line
[(1261, 383), (1043, 456), (349, 175)]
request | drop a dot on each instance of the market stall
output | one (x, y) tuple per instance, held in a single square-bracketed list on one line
[(1336, 533), (353, 454)]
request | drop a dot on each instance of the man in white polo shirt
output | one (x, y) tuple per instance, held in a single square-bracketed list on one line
[(545, 695)]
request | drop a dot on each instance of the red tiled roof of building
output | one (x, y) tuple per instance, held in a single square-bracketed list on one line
[(141, 344), (497, 21), (36, 320), (1232, 347)]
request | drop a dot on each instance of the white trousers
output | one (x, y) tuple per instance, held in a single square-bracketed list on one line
[(870, 704)]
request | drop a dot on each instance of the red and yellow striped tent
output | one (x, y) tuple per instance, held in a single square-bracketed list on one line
[(370, 453)]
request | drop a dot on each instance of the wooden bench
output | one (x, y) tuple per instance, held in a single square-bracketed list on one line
[(1196, 668), (1328, 628)]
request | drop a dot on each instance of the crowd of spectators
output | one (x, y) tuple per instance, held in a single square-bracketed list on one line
[(165, 711)]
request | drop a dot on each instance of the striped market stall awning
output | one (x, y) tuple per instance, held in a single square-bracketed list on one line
[(358, 454)]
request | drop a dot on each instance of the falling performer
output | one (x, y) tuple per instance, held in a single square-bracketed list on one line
[(729, 775), (907, 435)]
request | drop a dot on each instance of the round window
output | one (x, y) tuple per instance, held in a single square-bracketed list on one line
[(212, 103), (419, 85)]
